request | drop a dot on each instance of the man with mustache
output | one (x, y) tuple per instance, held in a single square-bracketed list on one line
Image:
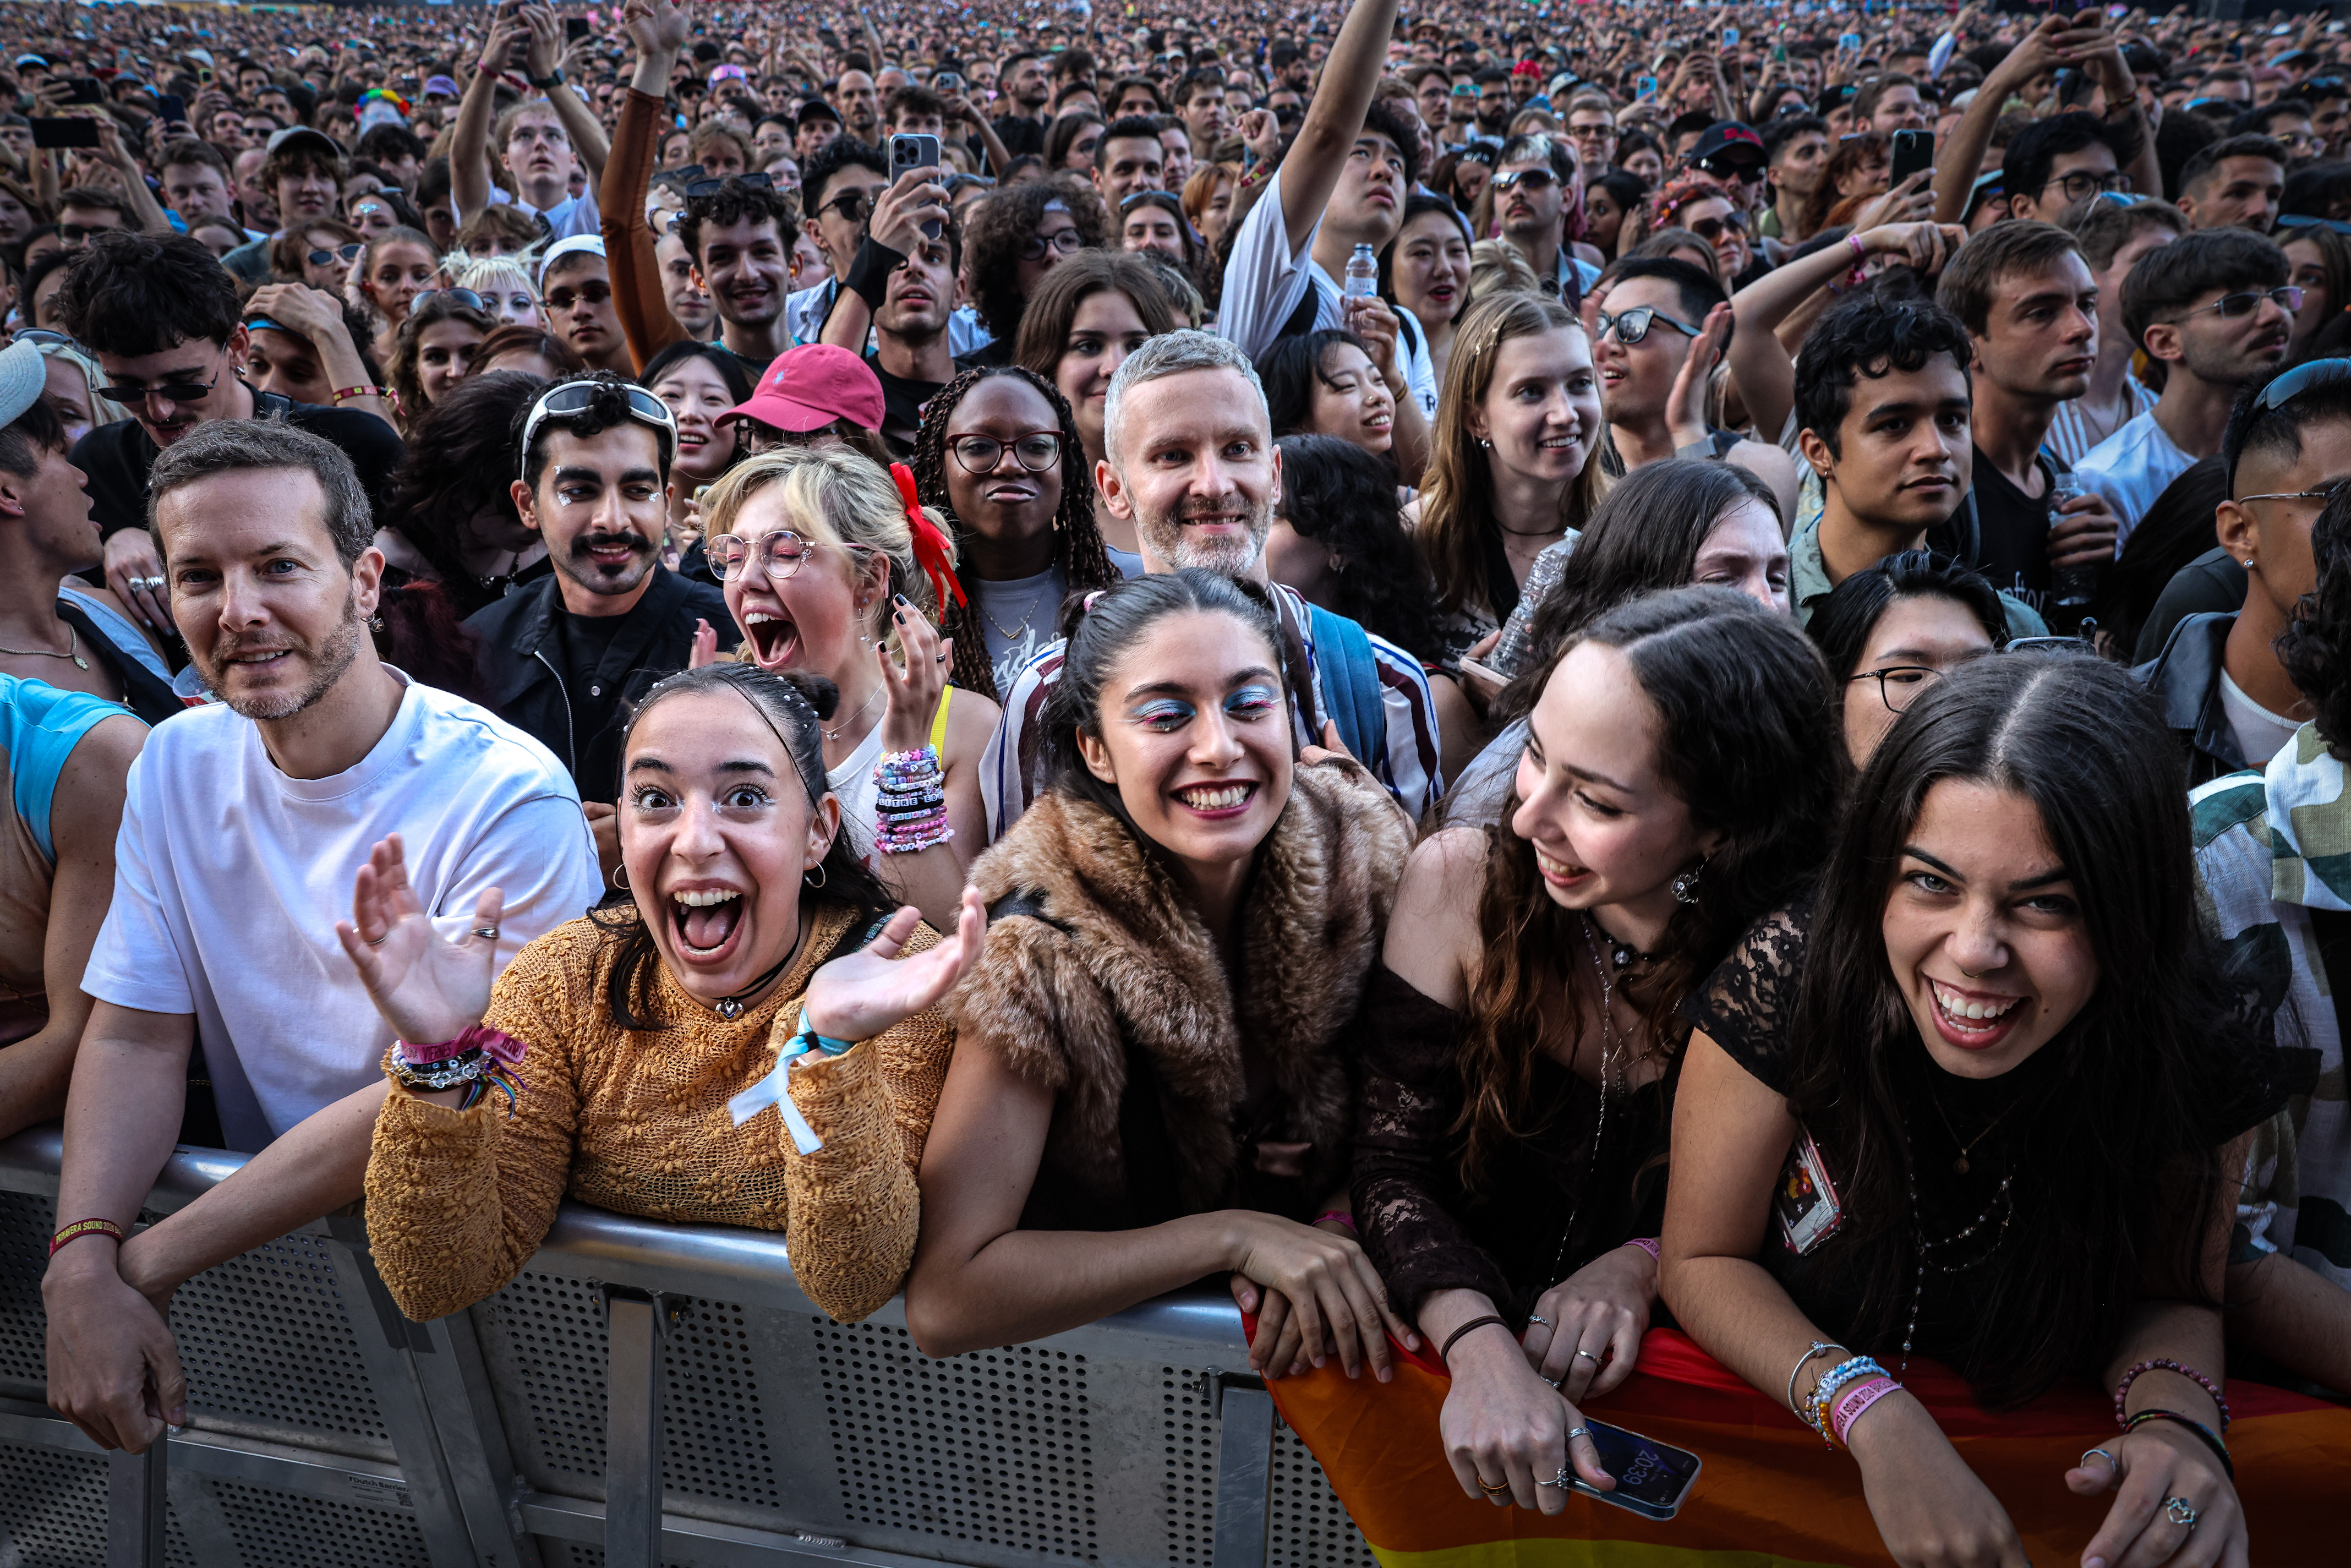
[(1188, 458), (164, 323), (2214, 306), (245, 823), (563, 657)]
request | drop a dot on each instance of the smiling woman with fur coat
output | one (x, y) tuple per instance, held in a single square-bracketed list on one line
[(1153, 1083)]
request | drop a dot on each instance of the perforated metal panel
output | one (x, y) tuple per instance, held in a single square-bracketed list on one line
[(715, 1428), (1190, 1482), (280, 1530), (52, 1508), (1307, 1526), (26, 1223), (991, 1447), (267, 1340)]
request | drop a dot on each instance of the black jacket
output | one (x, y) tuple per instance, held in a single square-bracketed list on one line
[(2185, 679), (522, 667)]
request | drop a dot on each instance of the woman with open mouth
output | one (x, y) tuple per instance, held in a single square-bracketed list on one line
[(830, 569), (1156, 1041), (1983, 1098), (631, 1059), (1425, 271)]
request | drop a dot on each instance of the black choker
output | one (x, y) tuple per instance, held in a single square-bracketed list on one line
[(731, 1007), (1622, 954)]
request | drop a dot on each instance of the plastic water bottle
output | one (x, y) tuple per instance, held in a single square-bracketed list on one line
[(1363, 274), (2076, 585)]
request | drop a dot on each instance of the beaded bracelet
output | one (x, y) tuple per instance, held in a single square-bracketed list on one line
[(2204, 1433), (1824, 1392), (343, 393), (914, 838), (2164, 1364)]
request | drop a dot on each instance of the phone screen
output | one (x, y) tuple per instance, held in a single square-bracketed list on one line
[(170, 108), (1645, 1470), (64, 132), (575, 27)]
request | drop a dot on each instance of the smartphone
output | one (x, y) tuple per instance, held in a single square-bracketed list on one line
[(1483, 672), (170, 108), (1730, 38), (66, 132), (1646, 86), (85, 89), (1653, 1479), (1780, 54), (1848, 43), (915, 150), (1913, 150), (575, 27)]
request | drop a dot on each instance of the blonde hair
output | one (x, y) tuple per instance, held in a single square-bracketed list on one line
[(1457, 509), (1496, 267), (493, 272), (839, 496)]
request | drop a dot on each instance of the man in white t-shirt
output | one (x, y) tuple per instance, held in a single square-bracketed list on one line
[(1341, 184), (540, 141), (245, 826)]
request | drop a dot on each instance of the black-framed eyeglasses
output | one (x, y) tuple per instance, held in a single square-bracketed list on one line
[(779, 555), (1061, 242), (1632, 326), (1899, 685), (170, 391), (852, 206), (710, 187), (1536, 181), (2232, 307), (1034, 450), (2304, 221), (461, 296), (2284, 389), (2083, 183), (342, 253)]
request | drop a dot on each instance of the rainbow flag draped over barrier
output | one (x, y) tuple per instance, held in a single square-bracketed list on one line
[(1769, 1492)]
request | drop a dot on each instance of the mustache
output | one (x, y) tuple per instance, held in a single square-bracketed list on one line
[(635, 543)]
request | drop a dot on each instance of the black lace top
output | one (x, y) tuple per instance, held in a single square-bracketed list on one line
[(1425, 1231)]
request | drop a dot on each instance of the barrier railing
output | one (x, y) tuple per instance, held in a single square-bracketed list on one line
[(640, 1393)]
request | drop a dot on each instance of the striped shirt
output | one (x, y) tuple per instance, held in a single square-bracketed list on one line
[(2070, 435), (1012, 769)]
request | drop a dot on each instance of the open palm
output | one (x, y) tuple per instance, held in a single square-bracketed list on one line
[(427, 988), (870, 991)]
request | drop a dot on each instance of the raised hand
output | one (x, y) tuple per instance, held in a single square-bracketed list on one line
[(1685, 404), (427, 989), (870, 991), (915, 689)]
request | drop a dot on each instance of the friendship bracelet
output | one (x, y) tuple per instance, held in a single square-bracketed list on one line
[(2164, 1364), (343, 393), (1446, 1350), (2204, 1433), (1857, 1399), (81, 1227), (1824, 1392)]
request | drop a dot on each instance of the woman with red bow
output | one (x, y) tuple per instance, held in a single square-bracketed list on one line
[(830, 569)]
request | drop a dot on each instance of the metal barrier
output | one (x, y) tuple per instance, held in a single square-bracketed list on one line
[(640, 1393)]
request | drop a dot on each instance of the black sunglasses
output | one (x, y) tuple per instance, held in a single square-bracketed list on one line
[(852, 205), (1534, 180), (170, 391)]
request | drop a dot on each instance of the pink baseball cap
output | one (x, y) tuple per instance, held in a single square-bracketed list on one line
[(808, 387)]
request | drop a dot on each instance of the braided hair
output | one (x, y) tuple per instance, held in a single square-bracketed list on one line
[(1078, 552)]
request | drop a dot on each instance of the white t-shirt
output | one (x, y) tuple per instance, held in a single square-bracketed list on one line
[(571, 218), (1265, 280), (2261, 733), (229, 878), (2131, 469)]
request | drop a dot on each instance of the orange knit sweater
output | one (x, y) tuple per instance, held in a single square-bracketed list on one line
[(637, 1123)]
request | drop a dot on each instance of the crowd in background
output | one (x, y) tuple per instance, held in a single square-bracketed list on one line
[(1506, 672)]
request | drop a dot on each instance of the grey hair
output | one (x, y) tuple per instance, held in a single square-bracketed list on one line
[(1172, 354), (239, 445)]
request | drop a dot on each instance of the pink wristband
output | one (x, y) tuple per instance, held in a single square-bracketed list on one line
[(504, 1047), (1647, 1244), (1856, 1399), (1347, 1219)]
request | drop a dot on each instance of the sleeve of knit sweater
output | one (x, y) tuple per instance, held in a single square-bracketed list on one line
[(457, 1201), (854, 1208)]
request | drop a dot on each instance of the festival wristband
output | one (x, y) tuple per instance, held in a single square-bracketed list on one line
[(1856, 1400), (1647, 1244), (81, 1227), (1341, 1216), (473, 1037)]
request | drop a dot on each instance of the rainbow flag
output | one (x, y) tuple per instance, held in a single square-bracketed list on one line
[(1769, 1492)]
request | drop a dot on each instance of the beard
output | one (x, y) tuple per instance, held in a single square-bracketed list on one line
[(596, 576), (1172, 541), (327, 662)]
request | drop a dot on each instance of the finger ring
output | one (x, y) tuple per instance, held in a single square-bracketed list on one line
[(1558, 1480), (1589, 1356), (1532, 1319), (1492, 1489), (2180, 1510), (487, 932), (379, 941), (1575, 1432), (1555, 1382), (942, 659), (2085, 1459)]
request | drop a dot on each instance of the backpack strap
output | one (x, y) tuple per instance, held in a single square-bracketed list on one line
[(1302, 320), (1351, 683)]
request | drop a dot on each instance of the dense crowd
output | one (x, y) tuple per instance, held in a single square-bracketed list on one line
[(1508, 677)]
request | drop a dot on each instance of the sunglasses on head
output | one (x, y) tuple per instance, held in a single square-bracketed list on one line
[(2285, 388), (461, 296), (42, 335), (710, 187), (572, 399)]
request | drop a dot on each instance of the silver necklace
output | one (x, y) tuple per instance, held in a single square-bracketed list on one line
[(73, 649), (1607, 1065), (842, 728), (1999, 1204)]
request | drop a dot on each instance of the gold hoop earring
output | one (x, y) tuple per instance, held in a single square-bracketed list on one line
[(621, 878)]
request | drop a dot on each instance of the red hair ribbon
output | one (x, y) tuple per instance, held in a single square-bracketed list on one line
[(930, 544)]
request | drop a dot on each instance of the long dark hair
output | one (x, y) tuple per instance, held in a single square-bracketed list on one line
[(1344, 497), (2316, 647), (1291, 368), (1078, 547), (1093, 637), (1645, 536), (1747, 740), (461, 459), (791, 706), (2115, 1178), (1840, 626)]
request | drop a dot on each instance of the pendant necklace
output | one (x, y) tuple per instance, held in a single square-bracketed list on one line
[(842, 728), (73, 649), (1999, 1204), (1014, 634), (1959, 1166), (731, 1007)]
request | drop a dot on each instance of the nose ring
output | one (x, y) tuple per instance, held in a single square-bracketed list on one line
[(1975, 974)]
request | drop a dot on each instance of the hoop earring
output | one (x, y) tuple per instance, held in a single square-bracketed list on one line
[(620, 877), (1685, 884), (819, 872)]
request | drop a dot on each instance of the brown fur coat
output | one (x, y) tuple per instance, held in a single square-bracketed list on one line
[(1121, 956)]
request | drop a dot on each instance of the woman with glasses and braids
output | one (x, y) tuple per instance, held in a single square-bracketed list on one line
[(1014, 240), (998, 457), (831, 569)]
